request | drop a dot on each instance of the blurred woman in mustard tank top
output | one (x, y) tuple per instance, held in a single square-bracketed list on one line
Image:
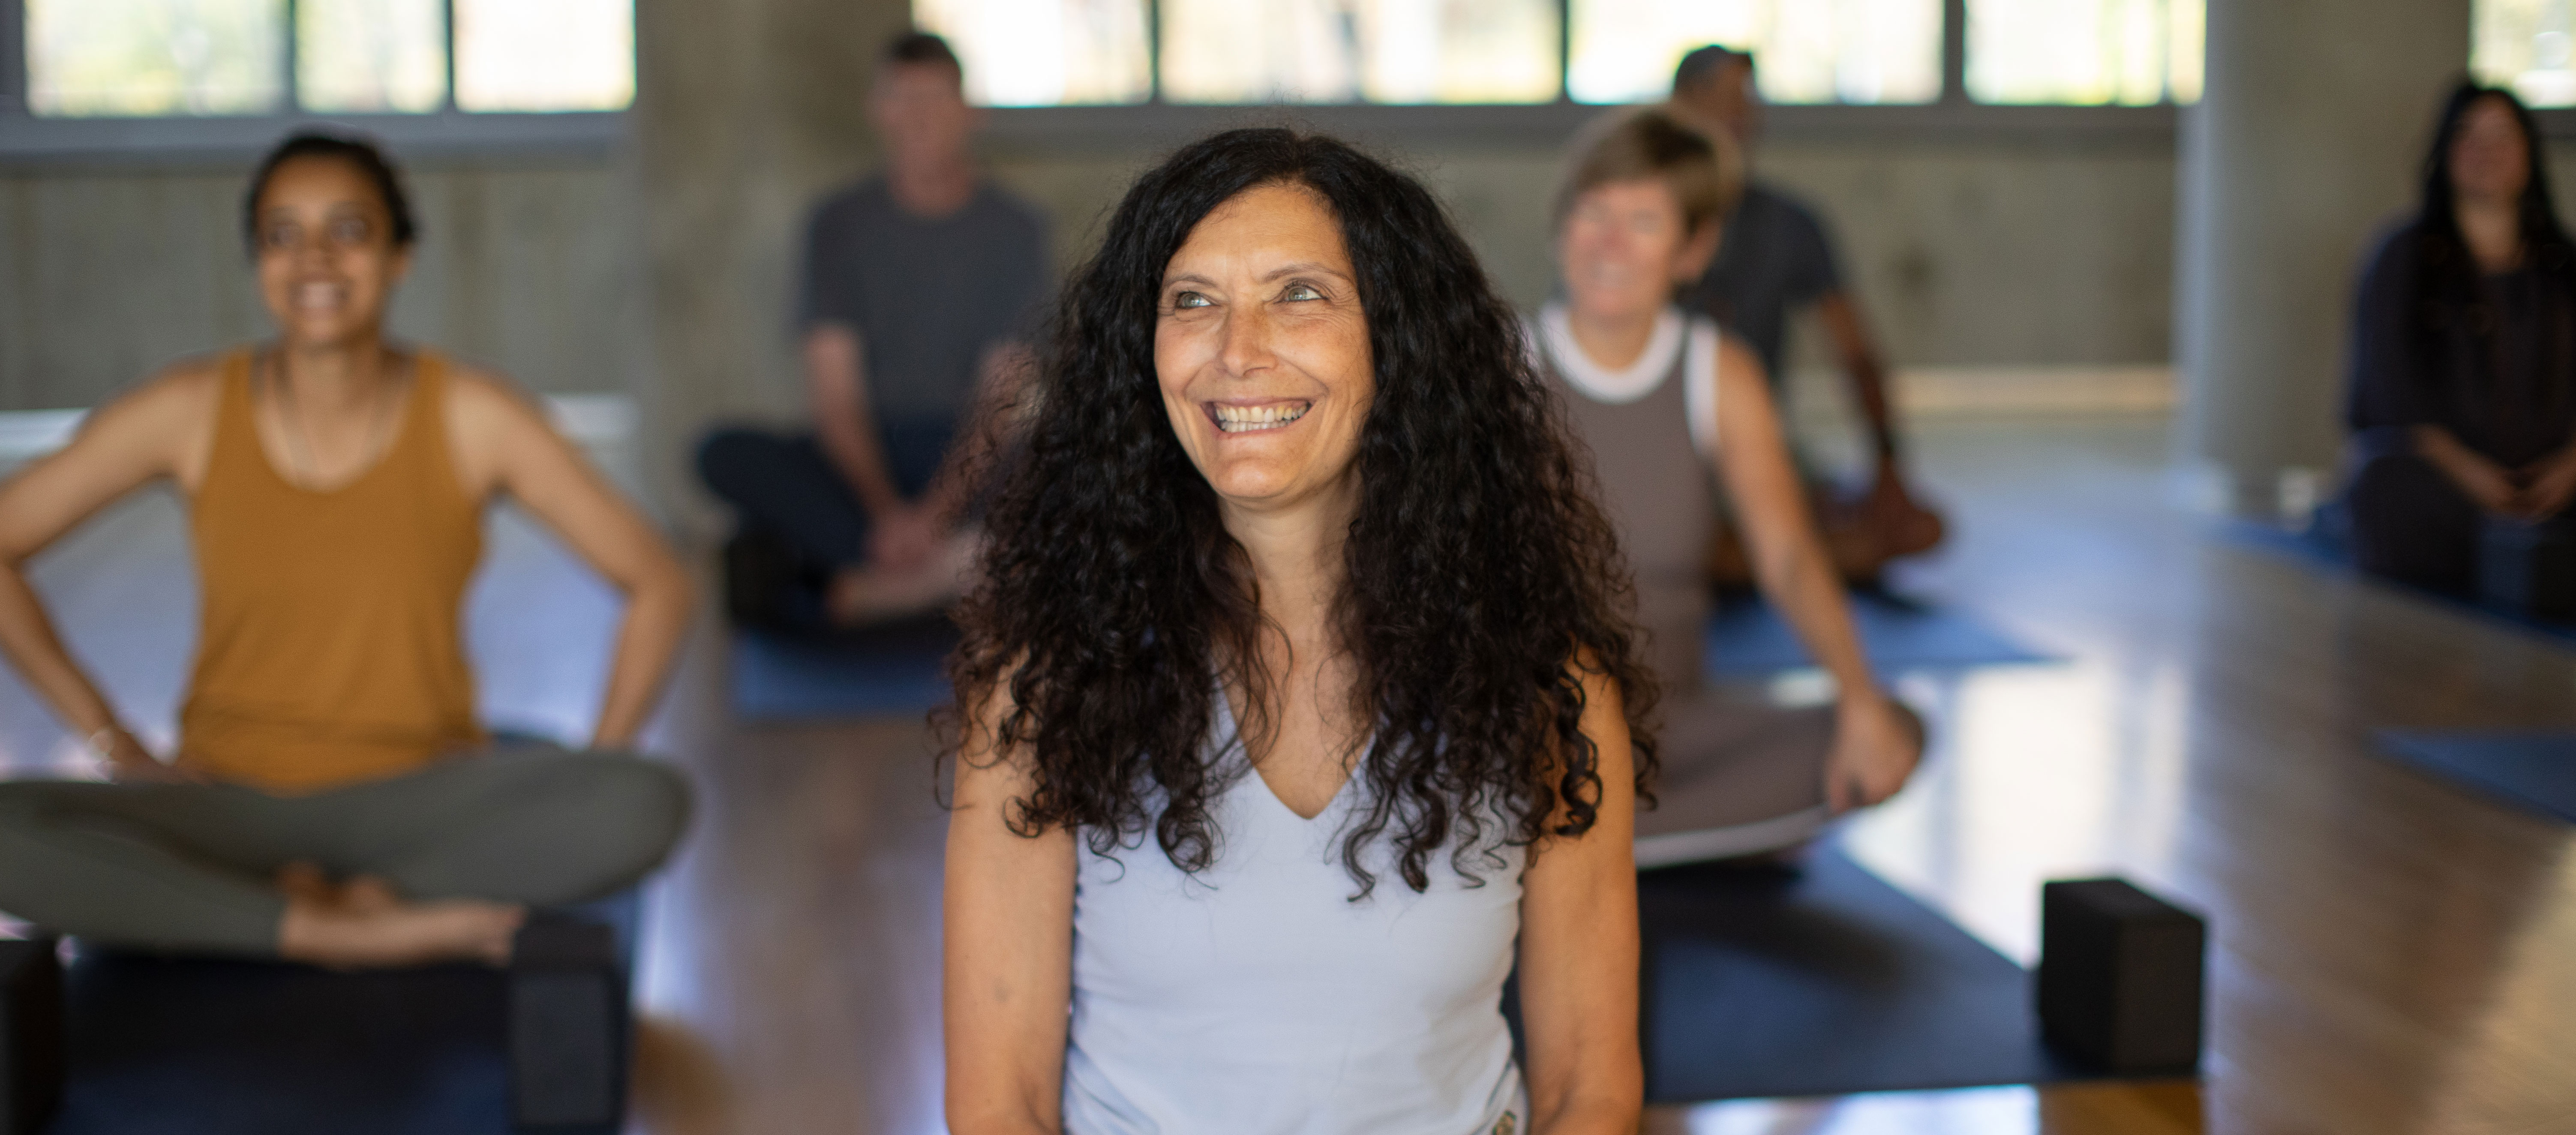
[(332, 797)]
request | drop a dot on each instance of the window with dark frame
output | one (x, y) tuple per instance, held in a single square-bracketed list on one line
[(1058, 53), (140, 75), (402, 68)]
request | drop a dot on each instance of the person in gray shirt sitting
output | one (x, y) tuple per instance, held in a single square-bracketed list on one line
[(915, 301), (1778, 259)]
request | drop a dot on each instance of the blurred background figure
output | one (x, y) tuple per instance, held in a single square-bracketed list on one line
[(918, 284), (1678, 417), (333, 797), (1777, 259), (2462, 397)]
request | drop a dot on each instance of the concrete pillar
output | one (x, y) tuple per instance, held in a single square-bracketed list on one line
[(2305, 142), (745, 112)]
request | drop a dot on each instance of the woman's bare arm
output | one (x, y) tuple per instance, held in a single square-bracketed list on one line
[(506, 445), (1578, 965), (157, 431), (1008, 978), (1874, 751)]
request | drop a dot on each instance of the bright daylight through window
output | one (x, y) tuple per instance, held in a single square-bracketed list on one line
[(2525, 45), (93, 58), (2086, 52), (1809, 51)]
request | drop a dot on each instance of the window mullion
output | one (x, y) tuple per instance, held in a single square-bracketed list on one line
[(13, 58), (447, 93), (1954, 52), (1153, 52), (1565, 51), (287, 57)]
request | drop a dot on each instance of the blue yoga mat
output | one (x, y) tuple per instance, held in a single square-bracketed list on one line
[(2318, 552), (1822, 979), (1748, 639), (899, 669), (2535, 772)]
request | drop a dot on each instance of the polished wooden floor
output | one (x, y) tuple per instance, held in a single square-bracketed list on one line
[(2388, 954)]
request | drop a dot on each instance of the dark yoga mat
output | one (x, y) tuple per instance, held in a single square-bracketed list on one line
[(213, 1047), (1821, 979), (2535, 772), (2320, 552), (896, 669), (1746, 638)]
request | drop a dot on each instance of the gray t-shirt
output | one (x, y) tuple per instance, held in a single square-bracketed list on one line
[(927, 295), (1774, 260)]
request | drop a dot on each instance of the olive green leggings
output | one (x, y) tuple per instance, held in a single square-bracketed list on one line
[(189, 867)]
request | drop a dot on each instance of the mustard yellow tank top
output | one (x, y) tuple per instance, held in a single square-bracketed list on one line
[(331, 648)]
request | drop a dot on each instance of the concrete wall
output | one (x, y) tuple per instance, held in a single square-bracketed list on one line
[(1964, 254), (664, 271), (107, 273)]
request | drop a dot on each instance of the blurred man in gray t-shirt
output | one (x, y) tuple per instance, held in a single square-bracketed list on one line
[(1774, 259), (919, 292)]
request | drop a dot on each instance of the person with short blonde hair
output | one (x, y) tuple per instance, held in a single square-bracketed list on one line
[(1679, 418)]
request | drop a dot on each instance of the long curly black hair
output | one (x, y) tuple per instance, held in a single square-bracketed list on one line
[(1481, 577)]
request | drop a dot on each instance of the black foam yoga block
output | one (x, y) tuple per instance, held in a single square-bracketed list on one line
[(2529, 569), (2120, 977), (568, 1029), (31, 1035)]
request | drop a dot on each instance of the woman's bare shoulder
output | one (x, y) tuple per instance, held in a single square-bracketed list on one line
[(174, 403), (486, 407)]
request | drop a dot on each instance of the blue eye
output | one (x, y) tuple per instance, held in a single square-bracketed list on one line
[(1301, 292), (1189, 299)]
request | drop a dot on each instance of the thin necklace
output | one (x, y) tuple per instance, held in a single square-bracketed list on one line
[(299, 441)]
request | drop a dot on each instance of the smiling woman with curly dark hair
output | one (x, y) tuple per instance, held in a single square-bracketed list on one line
[(1299, 686)]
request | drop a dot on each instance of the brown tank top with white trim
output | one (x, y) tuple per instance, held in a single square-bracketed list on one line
[(1658, 489), (331, 645)]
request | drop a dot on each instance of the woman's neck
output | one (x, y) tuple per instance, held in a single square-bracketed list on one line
[(1612, 340), (1297, 560), (2493, 230), (338, 375)]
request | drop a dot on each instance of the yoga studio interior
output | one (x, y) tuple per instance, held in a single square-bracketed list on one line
[(499, 500)]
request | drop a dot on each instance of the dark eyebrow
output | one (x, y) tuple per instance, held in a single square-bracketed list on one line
[(1308, 266)]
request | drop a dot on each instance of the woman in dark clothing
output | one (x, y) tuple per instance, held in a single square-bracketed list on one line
[(2463, 395)]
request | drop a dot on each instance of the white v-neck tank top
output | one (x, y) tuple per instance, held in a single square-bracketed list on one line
[(1257, 997)]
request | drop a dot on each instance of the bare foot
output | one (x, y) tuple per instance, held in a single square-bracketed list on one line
[(303, 879), (380, 931), (368, 894), (871, 594)]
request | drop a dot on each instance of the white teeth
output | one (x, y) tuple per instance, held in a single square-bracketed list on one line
[(1246, 419)]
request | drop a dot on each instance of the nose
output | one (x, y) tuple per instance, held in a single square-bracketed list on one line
[(1247, 340)]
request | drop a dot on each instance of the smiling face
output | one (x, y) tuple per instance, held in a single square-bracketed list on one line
[(327, 261), (2490, 161), (1624, 247), (1262, 352)]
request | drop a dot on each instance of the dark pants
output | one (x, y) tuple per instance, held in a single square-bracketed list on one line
[(2412, 525), (784, 486), (189, 866)]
